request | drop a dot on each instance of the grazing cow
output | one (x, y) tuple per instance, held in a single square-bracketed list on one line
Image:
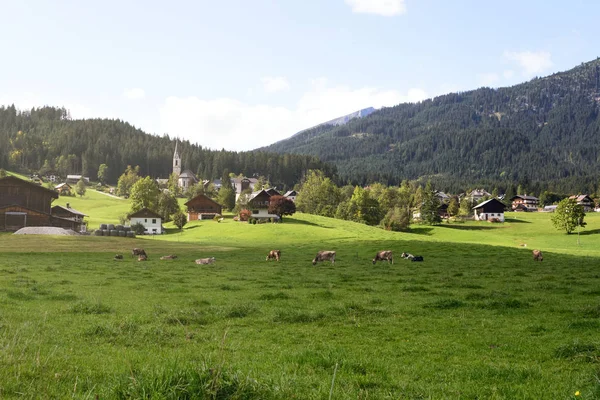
[(274, 255), (417, 258), (142, 257), (118, 257), (537, 256), (169, 257), (137, 252), (407, 256), (204, 261), (385, 255), (324, 255)]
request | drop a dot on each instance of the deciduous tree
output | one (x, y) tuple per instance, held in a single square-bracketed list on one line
[(281, 206), (80, 187), (144, 194), (568, 216)]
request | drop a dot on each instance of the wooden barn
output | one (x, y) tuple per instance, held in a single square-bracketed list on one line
[(202, 207), (490, 210), (24, 204), (69, 218)]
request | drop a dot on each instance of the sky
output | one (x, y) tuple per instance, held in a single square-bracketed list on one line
[(239, 74)]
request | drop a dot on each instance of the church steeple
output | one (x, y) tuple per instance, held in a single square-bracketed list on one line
[(176, 161)]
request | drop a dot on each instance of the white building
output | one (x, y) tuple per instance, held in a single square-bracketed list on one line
[(291, 194), (258, 204), (490, 210), (151, 221)]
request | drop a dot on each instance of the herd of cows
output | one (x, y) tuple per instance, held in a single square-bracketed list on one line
[(323, 255)]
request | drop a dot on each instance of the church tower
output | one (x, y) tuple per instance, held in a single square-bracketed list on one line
[(176, 162)]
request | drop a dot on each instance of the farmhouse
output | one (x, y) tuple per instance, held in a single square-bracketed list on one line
[(24, 204), (490, 210), (151, 221), (291, 194), (76, 178), (478, 194), (63, 188), (70, 214), (259, 205), (522, 202), (241, 184), (202, 207), (585, 201)]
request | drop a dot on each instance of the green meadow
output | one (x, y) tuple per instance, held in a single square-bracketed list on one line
[(478, 319)]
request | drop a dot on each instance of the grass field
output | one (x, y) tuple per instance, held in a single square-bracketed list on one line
[(477, 319)]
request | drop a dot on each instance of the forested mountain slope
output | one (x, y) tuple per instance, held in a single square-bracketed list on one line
[(48, 139), (544, 131)]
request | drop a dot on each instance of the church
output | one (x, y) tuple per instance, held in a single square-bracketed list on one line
[(186, 178)]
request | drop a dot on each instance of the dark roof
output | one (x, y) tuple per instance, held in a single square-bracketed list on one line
[(144, 213), (71, 210), (487, 202), (187, 174), (524, 197), (580, 197), (21, 181), (199, 197)]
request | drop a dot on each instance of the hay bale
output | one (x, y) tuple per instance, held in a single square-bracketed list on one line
[(111, 227), (130, 234), (114, 232), (119, 227), (126, 228), (122, 233), (105, 232), (98, 232), (103, 227)]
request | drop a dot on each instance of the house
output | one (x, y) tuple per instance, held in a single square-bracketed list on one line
[(70, 214), (151, 221), (187, 179), (585, 201), (272, 192), (291, 194), (241, 184), (258, 204), (24, 204), (478, 194), (442, 197), (492, 209), (63, 189), (76, 178), (522, 202), (202, 207)]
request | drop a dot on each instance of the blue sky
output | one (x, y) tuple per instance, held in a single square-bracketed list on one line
[(241, 74)]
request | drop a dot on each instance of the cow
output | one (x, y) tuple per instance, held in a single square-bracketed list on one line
[(324, 255), (118, 256), (137, 252), (142, 257), (417, 258), (169, 257), (204, 261), (274, 255), (537, 255), (385, 255), (407, 256)]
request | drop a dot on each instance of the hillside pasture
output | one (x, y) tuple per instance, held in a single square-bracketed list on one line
[(472, 321)]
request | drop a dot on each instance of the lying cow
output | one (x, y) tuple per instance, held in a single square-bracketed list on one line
[(137, 252), (385, 255), (204, 261), (537, 256), (118, 257), (169, 257), (142, 257), (417, 258), (407, 256), (324, 255), (274, 255)]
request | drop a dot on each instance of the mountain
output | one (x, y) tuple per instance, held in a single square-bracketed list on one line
[(46, 140), (545, 132), (346, 118)]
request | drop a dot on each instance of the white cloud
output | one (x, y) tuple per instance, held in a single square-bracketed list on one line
[(387, 8), (235, 125), (531, 62), (134, 93), (488, 79), (273, 84)]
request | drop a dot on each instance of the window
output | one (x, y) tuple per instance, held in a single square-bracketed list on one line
[(254, 211), (154, 221), (145, 220)]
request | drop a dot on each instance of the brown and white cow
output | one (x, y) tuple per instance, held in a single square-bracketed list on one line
[(537, 256), (324, 255), (384, 255), (274, 255), (138, 252), (142, 257), (169, 257), (205, 261)]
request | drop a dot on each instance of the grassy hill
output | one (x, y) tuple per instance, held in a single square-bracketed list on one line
[(477, 319)]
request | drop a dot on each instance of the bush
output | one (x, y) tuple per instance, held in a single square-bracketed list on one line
[(138, 228), (245, 215)]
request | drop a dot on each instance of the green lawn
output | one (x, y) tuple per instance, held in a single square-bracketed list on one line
[(477, 319)]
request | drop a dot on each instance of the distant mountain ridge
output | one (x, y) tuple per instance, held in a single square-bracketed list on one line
[(545, 131), (347, 118)]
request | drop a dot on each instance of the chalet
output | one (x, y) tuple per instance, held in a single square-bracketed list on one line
[(272, 192), (489, 210), (187, 179), (24, 204), (522, 202), (151, 221), (585, 201), (76, 178), (291, 194), (241, 184), (202, 207), (63, 189), (258, 203), (478, 194), (70, 214), (442, 197)]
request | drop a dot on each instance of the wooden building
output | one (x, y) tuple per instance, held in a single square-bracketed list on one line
[(490, 210), (67, 217), (24, 204), (584, 201), (202, 207), (522, 202)]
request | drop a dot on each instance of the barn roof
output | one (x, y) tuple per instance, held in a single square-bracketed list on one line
[(70, 210), (580, 197), (488, 202), (200, 196), (144, 213), (35, 185), (524, 197)]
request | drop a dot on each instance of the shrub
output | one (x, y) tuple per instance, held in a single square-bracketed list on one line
[(138, 228), (245, 215)]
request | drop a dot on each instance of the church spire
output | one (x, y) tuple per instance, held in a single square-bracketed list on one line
[(176, 161)]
